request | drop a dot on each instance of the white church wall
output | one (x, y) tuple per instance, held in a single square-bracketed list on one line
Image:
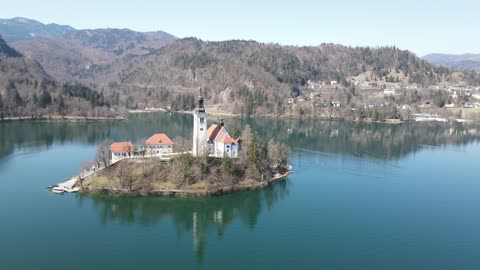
[(199, 133)]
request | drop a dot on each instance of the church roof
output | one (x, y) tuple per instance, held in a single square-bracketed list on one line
[(159, 138), (227, 139), (215, 133), (121, 147)]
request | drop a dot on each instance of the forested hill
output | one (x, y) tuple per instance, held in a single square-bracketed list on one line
[(247, 72), (27, 90), (122, 69)]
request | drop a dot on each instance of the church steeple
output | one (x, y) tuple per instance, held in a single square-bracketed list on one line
[(201, 106), (200, 128)]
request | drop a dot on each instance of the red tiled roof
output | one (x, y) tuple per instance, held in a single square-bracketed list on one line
[(159, 138), (227, 139), (215, 133), (220, 133), (120, 147), (212, 131)]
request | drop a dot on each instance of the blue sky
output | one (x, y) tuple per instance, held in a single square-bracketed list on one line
[(420, 26)]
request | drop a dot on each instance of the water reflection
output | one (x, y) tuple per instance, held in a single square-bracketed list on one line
[(195, 216), (372, 140)]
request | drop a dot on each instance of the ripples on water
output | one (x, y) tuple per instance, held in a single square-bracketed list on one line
[(370, 196)]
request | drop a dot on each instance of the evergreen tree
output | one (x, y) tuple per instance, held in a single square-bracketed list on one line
[(60, 104), (234, 132), (1, 107), (35, 99), (45, 99), (226, 167)]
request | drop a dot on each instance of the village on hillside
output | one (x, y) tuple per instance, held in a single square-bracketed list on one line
[(390, 97)]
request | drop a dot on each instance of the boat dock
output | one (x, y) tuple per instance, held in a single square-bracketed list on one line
[(69, 185)]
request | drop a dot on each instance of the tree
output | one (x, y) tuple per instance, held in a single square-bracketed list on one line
[(125, 178), (254, 155), (45, 99), (278, 154), (35, 99), (84, 167), (1, 107), (60, 104), (226, 167), (103, 154), (181, 144), (234, 132), (181, 170), (247, 138)]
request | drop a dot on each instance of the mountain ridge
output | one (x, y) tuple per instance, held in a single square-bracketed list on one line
[(19, 28), (462, 61), (128, 69)]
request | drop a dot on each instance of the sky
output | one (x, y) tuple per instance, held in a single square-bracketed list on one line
[(419, 26)]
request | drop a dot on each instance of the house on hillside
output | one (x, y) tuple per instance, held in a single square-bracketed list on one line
[(121, 150), (159, 144), (389, 92)]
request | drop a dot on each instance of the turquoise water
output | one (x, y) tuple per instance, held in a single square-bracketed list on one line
[(363, 196)]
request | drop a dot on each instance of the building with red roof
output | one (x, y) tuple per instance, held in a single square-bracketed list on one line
[(159, 144), (121, 150), (220, 142), (214, 141)]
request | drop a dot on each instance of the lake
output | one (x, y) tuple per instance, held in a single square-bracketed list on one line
[(362, 196)]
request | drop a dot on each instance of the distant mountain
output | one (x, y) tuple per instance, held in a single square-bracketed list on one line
[(155, 69), (114, 39), (67, 57), (462, 61), (26, 29)]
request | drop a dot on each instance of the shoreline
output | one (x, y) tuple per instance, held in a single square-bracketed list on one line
[(190, 192), (72, 118), (313, 117)]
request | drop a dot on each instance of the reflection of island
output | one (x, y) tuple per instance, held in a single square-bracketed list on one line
[(191, 214)]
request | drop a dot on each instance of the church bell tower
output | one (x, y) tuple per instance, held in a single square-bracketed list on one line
[(199, 129)]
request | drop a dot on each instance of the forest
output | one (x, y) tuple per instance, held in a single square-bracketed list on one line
[(94, 78)]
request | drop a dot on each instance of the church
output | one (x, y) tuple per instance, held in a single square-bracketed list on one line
[(214, 141)]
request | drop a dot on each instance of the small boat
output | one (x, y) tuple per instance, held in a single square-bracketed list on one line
[(52, 186), (58, 190)]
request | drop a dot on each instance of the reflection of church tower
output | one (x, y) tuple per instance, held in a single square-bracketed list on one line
[(199, 129)]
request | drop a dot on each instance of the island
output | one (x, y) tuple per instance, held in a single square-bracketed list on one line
[(220, 161)]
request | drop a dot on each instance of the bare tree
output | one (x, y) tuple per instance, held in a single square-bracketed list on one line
[(124, 179), (85, 166), (103, 154), (181, 144)]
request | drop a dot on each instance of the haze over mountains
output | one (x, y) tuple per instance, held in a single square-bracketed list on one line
[(463, 61), (155, 69), (23, 29)]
